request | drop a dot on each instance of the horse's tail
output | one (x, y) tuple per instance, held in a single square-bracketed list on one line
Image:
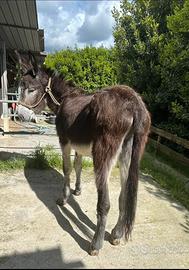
[(131, 185)]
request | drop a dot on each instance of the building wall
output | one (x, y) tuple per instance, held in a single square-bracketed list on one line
[(1, 105)]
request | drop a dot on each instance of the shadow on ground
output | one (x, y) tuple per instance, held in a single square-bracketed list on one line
[(5, 156), (155, 189), (185, 226), (40, 259), (47, 185)]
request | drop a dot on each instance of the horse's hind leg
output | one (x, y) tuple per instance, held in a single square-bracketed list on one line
[(124, 164), (78, 168), (104, 156), (103, 207), (67, 168)]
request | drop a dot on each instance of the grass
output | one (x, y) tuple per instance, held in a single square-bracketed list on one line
[(12, 164), (160, 168), (181, 168), (42, 158), (166, 175)]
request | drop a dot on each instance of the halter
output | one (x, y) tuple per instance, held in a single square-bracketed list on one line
[(48, 90)]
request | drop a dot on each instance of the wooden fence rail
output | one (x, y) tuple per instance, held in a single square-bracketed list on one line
[(159, 147), (171, 137)]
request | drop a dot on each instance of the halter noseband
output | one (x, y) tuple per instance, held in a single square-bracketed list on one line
[(47, 91)]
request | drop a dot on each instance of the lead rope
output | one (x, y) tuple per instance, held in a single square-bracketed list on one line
[(31, 106), (47, 91)]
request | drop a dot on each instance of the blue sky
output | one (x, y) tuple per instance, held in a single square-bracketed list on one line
[(81, 22)]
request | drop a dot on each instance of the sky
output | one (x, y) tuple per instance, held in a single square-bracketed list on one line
[(68, 23)]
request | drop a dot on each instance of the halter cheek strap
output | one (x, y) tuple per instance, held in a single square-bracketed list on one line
[(48, 87), (48, 90)]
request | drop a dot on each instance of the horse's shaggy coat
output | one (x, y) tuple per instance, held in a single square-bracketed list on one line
[(110, 124)]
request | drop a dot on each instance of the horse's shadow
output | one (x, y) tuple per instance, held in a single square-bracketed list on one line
[(47, 185)]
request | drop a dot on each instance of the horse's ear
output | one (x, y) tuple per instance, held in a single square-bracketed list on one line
[(18, 56), (22, 61), (33, 62)]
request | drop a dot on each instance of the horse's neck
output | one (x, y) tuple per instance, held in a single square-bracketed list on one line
[(53, 96), (59, 89)]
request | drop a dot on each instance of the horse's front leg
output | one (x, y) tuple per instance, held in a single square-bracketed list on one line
[(67, 168), (78, 168)]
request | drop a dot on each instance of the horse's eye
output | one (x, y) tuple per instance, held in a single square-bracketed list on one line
[(30, 90), (30, 72)]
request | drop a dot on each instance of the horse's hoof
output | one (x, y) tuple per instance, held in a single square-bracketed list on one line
[(93, 252), (114, 242), (61, 202), (77, 192)]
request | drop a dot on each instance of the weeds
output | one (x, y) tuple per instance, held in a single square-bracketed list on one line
[(167, 177), (42, 158)]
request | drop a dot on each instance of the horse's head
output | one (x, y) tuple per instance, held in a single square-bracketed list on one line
[(32, 82)]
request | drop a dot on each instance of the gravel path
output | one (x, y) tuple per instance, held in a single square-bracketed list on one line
[(36, 233)]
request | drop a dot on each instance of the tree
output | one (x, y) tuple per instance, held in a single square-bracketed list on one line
[(136, 43), (151, 46), (174, 61), (91, 68)]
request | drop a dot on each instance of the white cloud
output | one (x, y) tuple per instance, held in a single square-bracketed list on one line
[(67, 23), (96, 27)]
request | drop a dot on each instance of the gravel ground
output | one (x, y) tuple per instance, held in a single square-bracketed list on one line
[(36, 233)]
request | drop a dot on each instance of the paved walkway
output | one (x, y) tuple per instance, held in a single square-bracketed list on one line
[(25, 137), (36, 233)]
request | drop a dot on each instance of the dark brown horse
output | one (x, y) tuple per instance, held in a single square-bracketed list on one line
[(110, 124)]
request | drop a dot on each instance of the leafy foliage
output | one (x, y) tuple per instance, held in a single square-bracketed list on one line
[(91, 68), (151, 47), (151, 54)]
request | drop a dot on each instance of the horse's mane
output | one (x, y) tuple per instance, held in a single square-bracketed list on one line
[(62, 85)]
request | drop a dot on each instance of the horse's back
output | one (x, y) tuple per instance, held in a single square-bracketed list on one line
[(116, 107), (110, 111)]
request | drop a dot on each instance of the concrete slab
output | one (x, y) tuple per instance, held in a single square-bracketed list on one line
[(36, 233), (24, 137)]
